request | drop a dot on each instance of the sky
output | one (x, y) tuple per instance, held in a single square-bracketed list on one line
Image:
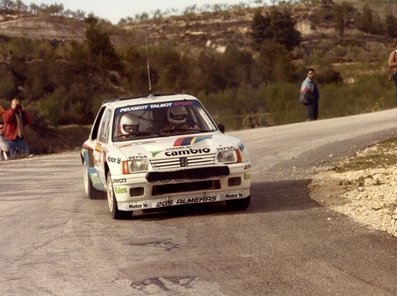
[(114, 10)]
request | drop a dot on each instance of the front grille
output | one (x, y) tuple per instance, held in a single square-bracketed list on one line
[(191, 161), (185, 187), (195, 173)]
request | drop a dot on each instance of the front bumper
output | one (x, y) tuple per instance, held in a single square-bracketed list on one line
[(135, 192)]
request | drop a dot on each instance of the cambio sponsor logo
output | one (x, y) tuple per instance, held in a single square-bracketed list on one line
[(188, 151)]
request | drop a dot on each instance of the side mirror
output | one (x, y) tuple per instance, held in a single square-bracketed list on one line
[(221, 127)]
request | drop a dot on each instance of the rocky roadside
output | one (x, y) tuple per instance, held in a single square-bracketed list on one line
[(365, 191)]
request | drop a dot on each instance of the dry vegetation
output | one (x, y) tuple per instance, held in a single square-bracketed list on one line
[(363, 187)]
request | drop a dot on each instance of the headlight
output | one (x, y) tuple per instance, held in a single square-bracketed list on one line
[(135, 166), (229, 156)]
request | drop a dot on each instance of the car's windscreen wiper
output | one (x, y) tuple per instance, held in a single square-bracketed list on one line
[(131, 137)]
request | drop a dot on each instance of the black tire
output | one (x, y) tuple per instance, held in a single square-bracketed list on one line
[(90, 191), (112, 203), (238, 204)]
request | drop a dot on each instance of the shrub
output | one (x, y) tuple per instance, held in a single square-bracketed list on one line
[(256, 120)]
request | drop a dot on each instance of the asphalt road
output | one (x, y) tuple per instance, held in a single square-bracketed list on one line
[(54, 241)]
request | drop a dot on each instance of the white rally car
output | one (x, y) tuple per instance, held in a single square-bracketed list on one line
[(160, 151)]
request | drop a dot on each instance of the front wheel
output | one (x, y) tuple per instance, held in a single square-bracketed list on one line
[(238, 204), (90, 191), (112, 202)]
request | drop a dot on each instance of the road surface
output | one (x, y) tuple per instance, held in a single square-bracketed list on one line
[(55, 241)]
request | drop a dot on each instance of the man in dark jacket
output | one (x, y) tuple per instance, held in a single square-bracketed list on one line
[(15, 119), (309, 95)]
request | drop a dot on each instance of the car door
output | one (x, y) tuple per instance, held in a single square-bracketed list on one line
[(102, 141)]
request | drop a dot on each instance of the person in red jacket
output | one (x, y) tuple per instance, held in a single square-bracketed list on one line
[(3, 142), (15, 119)]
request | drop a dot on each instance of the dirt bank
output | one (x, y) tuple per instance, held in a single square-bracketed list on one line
[(367, 194)]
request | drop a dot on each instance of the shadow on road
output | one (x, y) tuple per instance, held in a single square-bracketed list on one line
[(281, 196), (265, 197)]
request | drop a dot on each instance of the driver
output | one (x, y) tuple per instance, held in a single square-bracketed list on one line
[(176, 118), (129, 124)]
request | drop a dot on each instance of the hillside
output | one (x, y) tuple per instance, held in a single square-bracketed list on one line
[(217, 29), (43, 27), (245, 64)]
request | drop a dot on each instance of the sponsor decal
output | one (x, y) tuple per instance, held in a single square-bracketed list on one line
[(178, 148), (95, 178), (234, 195), (186, 200), (185, 141), (247, 176), (98, 147), (138, 206), (134, 108), (188, 151), (122, 180), (137, 157), (146, 107), (137, 143), (154, 153), (120, 190), (161, 105), (164, 203), (113, 159), (183, 103), (225, 148), (247, 167)]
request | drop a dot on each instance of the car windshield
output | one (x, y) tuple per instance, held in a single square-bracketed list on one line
[(160, 120)]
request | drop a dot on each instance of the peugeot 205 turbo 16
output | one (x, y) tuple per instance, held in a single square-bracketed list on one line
[(161, 151)]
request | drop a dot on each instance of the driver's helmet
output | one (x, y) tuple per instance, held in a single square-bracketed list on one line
[(177, 115), (129, 124)]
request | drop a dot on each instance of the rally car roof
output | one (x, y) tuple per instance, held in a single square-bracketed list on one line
[(151, 98)]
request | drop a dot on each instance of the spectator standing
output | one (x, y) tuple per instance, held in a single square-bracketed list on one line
[(393, 66), (3, 142), (15, 119), (310, 95)]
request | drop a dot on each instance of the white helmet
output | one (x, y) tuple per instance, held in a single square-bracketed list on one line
[(177, 115), (129, 124)]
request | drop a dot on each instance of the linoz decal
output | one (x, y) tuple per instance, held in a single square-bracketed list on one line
[(122, 180)]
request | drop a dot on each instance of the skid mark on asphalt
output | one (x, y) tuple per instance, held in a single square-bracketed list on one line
[(177, 285), (165, 244)]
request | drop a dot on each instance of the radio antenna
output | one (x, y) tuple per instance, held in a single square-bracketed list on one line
[(147, 63)]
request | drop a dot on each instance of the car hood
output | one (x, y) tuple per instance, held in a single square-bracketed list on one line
[(177, 146)]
